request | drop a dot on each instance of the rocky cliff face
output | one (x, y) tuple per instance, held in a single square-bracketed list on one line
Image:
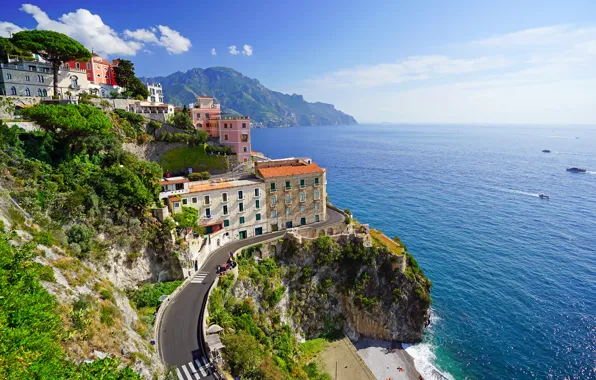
[(345, 285)]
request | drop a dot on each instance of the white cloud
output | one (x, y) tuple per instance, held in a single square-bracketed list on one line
[(409, 69), (173, 41), (213, 51), (232, 49), (90, 30), (247, 50), (534, 76), (86, 28), (141, 35), (149, 52), (8, 28)]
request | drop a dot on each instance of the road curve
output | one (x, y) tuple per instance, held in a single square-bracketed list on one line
[(180, 336)]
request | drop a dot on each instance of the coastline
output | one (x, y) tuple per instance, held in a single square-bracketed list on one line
[(384, 358)]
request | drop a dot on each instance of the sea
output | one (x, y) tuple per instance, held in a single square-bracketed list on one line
[(514, 275)]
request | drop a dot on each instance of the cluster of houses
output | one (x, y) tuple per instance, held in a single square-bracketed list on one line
[(278, 194)]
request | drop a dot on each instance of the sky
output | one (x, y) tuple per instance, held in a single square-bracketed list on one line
[(504, 62)]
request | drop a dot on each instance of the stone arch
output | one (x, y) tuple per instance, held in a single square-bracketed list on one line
[(322, 232), (330, 231), (272, 250)]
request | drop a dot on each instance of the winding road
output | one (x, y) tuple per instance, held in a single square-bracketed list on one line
[(180, 336)]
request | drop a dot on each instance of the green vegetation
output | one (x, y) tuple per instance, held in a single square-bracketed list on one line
[(31, 329), (125, 77), (193, 157), (8, 49), (149, 294), (52, 46), (199, 176), (181, 120), (188, 218)]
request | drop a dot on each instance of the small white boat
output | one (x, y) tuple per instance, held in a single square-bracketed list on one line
[(543, 196)]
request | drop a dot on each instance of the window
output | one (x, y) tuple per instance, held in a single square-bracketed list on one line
[(88, 66), (272, 187), (65, 65), (74, 81), (241, 207), (98, 68), (317, 195), (257, 204), (288, 186), (208, 212), (258, 216), (39, 93), (273, 214), (179, 186), (176, 204), (288, 211), (226, 137), (27, 78), (241, 220), (316, 218), (302, 185), (225, 209), (245, 149), (288, 199), (40, 78), (316, 207), (207, 200), (302, 196), (8, 76), (185, 201), (27, 91), (226, 223), (240, 194), (316, 181), (244, 137), (302, 209), (194, 200), (13, 91), (224, 197), (78, 65), (273, 200), (257, 192), (243, 125), (225, 125), (45, 93)]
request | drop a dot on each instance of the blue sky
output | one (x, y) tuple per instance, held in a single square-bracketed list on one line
[(424, 61)]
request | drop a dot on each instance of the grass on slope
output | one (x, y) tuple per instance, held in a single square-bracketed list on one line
[(380, 240), (193, 157)]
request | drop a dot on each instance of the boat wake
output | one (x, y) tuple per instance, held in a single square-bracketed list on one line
[(519, 192)]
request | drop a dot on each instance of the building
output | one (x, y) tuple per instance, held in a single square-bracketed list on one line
[(296, 191), (235, 208), (35, 78), (205, 115), (154, 111), (99, 71), (155, 92)]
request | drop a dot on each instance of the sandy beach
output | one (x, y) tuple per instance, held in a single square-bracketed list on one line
[(384, 359)]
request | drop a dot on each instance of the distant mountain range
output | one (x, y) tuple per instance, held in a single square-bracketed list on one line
[(241, 95)]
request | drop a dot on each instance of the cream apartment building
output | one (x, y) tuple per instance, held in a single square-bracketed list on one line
[(296, 192)]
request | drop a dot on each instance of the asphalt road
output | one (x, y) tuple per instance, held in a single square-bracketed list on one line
[(180, 337)]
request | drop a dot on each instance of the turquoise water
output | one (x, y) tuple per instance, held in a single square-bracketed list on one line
[(514, 275)]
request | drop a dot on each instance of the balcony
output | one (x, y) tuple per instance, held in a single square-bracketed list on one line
[(74, 86), (288, 188)]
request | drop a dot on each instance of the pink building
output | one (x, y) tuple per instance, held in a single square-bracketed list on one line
[(235, 132), (206, 115)]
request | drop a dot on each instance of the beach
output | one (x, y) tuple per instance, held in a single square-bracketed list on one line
[(385, 358)]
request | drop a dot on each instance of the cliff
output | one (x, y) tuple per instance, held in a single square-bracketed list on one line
[(345, 282), (239, 94)]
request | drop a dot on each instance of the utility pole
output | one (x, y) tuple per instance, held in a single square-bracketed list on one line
[(336, 370)]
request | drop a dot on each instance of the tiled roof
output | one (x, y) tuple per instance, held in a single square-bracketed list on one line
[(173, 182), (285, 171), (175, 199), (209, 186)]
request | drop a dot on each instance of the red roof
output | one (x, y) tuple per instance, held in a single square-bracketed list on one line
[(175, 199), (285, 171)]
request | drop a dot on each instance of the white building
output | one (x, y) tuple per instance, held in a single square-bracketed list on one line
[(155, 92)]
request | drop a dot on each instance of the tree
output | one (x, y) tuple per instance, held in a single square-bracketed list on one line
[(244, 355), (8, 50), (70, 120), (181, 120), (125, 77), (187, 218), (53, 47)]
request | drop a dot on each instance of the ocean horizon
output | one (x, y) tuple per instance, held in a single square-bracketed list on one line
[(514, 294)]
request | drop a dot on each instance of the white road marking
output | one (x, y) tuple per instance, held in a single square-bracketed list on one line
[(179, 374), (186, 372), (198, 279), (193, 370)]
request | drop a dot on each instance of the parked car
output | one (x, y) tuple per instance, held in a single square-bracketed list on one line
[(221, 269)]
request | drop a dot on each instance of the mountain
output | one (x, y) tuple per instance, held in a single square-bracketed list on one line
[(241, 95)]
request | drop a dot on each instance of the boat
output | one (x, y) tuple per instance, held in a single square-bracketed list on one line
[(543, 196), (545, 151), (576, 170)]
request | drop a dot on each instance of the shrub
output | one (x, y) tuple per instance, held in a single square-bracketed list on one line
[(80, 235), (149, 294), (107, 313), (199, 176), (44, 238)]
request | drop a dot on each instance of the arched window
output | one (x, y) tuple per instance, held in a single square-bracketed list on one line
[(13, 91), (74, 81), (27, 91), (78, 65), (39, 93), (45, 93), (88, 66)]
